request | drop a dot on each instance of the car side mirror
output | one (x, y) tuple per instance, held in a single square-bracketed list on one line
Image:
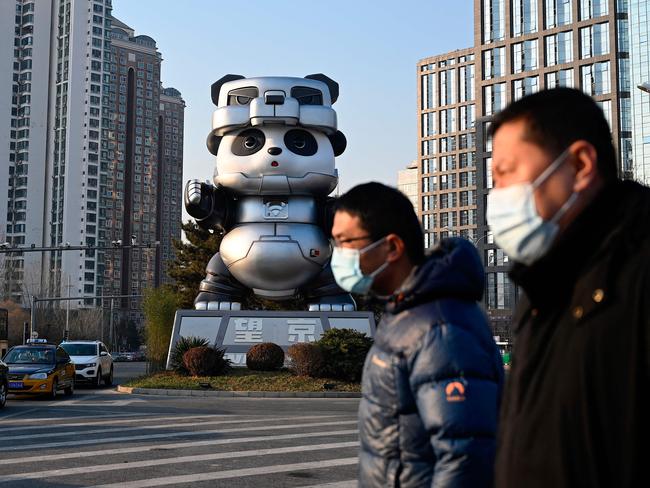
[(103, 353)]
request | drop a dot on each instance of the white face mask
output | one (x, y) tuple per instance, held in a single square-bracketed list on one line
[(513, 218), (346, 268)]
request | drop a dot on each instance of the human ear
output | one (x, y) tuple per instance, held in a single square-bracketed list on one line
[(396, 248), (585, 165)]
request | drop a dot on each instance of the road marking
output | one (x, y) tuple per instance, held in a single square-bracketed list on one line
[(166, 435), (150, 418), (50, 419), (22, 412), (177, 445), (233, 473), (175, 460), (67, 433), (336, 484), (107, 403)]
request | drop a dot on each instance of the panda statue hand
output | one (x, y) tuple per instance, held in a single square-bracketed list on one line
[(207, 204)]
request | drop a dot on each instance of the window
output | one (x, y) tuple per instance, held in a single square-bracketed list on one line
[(429, 124), (466, 80), (559, 48), (494, 63), (447, 87), (524, 56), (558, 13), (467, 117), (448, 120), (524, 17), (560, 78), (494, 14), (428, 91), (596, 78), (594, 40), (606, 107), (525, 86), (494, 98), (590, 9)]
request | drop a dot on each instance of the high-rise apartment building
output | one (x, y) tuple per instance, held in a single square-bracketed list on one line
[(170, 179), (54, 76), (407, 182), (521, 46), (80, 152)]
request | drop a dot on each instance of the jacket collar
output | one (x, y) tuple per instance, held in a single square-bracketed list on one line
[(453, 269)]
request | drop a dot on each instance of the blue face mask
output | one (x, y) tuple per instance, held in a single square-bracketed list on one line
[(347, 268), (513, 218)]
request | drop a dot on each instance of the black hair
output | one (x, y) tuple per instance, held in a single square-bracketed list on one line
[(558, 117), (383, 210)]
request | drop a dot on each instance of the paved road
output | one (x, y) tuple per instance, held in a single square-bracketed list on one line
[(103, 438)]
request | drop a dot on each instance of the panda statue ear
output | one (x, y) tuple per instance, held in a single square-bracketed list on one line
[(216, 86), (213, 142), (331, 84), (339, 142)]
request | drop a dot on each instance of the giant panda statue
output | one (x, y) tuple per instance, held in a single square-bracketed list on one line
[(275, 140)]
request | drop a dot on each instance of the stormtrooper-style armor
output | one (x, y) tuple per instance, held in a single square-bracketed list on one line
[(275, 140)]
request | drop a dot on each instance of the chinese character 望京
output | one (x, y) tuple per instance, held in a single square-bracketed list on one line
[(302, 330), (248, 330)]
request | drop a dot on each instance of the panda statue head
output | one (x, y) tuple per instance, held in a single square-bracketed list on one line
[(275, 135)]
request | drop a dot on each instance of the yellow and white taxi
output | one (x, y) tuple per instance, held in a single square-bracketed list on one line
[(39, 368)]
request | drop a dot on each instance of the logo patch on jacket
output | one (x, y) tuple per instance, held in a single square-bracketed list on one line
[(455, 392)]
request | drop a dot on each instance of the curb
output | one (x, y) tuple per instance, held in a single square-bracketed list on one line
[(238, 394)]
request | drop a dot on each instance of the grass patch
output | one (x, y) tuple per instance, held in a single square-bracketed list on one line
[(242, 379)]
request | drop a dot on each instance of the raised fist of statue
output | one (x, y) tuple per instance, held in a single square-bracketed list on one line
[(199, 199)]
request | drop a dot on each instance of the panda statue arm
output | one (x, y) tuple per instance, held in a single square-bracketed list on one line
[(211, 206)]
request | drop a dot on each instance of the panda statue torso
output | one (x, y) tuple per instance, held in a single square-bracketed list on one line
[(275, 141)]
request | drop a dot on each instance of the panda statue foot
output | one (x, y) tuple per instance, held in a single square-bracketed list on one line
[(336, 303), (211, 301)]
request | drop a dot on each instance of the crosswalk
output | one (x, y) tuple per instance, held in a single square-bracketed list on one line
[(151, 450)]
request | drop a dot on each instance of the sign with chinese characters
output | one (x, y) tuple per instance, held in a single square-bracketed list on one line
[(237, 331)]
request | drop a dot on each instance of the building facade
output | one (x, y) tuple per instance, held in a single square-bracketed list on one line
[(407, 183), (639, 65), (521, 46), (170, 179), (79, 143)]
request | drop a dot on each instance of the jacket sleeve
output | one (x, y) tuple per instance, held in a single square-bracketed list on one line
[(456, 380)]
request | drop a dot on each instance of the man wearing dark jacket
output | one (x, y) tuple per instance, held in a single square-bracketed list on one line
[(575, 412), (433, 378)]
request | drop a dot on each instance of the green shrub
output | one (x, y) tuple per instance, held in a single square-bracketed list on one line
[(306, 360), (344, 351), (265, 357), (183, 345), (206, 361), (159, 307)]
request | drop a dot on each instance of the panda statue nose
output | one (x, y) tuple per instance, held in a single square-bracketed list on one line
[(274, 151)]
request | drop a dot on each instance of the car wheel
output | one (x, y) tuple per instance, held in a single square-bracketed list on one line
[(108, 381), (55, 387), (98, 380), (70, 389), (3, 394)]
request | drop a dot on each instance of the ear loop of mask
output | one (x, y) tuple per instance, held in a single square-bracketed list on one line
[(545, 175)]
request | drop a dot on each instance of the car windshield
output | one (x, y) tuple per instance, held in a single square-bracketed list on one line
[(80, 349), (30, 355)]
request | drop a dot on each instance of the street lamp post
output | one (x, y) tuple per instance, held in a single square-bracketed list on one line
[(645, 86)]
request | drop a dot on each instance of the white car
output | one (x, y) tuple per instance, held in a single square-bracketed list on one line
[(92, 361)]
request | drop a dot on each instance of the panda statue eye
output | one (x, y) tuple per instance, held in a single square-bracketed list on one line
[(301, 142), (248, 142)]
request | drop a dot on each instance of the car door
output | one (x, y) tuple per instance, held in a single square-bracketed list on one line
[(65, 368), (105, 359)]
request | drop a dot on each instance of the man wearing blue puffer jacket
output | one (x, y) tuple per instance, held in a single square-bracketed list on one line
[(433, 378)]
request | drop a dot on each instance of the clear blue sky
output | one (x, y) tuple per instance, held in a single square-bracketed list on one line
[(369, 47)]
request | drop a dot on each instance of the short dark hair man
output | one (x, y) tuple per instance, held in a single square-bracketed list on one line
[(433, 378), (575, 412)]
